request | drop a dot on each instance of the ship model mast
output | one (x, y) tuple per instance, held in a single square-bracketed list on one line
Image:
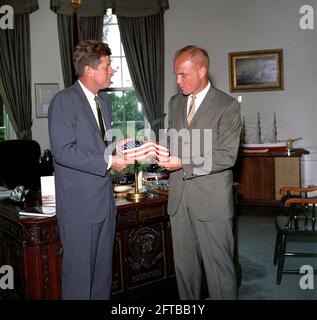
[(274, 128), (259, 129), (260, 145)]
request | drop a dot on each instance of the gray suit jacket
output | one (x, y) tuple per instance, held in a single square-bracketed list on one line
[(84, 192), (208, 149)]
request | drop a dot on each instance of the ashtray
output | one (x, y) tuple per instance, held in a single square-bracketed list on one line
[(123, 188)]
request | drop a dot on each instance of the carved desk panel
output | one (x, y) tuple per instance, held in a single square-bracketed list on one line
[(142, 251)]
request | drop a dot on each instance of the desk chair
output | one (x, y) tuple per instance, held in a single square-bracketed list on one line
[(298, 224), (20, 164)]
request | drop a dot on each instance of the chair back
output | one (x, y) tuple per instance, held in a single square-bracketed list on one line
[(20, 164), (301, 209), (297, 225)]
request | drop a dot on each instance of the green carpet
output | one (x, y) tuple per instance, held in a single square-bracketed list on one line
[(256, 248)]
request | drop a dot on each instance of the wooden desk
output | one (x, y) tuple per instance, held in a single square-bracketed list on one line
[(261, 175), (142, 252)]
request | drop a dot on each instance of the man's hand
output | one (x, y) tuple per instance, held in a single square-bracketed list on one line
[(171, 163), (119, 163)]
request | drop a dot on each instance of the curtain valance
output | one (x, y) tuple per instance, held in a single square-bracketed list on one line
[(125, 8), (21, 6), (138, 8)]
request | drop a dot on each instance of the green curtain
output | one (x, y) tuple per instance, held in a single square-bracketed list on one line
[(21, 6), (15, 75), (143, 43), (91, 28), (127, 8), (89, 17), (136, 8), (87, 8), (65, 27), (141, 24)]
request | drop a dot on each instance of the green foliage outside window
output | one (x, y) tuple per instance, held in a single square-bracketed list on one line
[(126, 111)]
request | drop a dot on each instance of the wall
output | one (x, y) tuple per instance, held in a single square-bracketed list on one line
[(46, 64), (222, 26)]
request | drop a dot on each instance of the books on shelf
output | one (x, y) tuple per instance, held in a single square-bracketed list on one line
[(39, 211)]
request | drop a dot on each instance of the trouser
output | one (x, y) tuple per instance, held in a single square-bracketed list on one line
[(208, 242), (87, 259)]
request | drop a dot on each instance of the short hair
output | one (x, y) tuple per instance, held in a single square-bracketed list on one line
[(88, 53), (195, 53)]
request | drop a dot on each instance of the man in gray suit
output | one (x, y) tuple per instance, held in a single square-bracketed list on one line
[(200, 198), (78, 119)]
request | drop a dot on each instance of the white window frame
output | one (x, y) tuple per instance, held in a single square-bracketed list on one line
[(122, 89)]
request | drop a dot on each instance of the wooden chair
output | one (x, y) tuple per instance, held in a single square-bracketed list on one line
[(297, 224)]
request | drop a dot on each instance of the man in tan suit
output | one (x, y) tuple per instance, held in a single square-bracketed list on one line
[(200, 197)]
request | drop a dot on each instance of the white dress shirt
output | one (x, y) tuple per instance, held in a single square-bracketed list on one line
[(91, 99), (199, 98)]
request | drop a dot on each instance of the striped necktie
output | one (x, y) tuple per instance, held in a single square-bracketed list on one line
[(191, 111)]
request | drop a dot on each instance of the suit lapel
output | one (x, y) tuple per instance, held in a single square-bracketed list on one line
[(183, 112), (204, 106), (86, 106)]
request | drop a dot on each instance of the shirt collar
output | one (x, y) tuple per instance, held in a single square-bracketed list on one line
[(200, 95), (90, 96)]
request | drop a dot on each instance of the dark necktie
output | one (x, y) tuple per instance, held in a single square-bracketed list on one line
[(100, 120)]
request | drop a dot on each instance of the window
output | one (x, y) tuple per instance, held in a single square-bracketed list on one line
[(4, 123), (127, 110)]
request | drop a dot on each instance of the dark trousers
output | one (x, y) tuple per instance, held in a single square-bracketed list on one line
[(87, 259)]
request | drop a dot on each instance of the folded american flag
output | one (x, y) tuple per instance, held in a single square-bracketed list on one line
[(140, 151)]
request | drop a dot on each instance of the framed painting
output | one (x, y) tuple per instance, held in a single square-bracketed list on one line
[(256, 70), (44, 92)]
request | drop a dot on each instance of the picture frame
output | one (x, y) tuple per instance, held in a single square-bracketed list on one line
[(44, 92), (258, 70)]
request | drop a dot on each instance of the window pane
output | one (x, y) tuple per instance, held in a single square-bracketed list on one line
[(117, 77), (126, 113), (126, 79), (122, 51), (130, 102), (117, 108), (110, 18), (2, 123), (1, 116), (112, 38)]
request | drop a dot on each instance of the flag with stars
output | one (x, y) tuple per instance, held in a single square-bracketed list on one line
[(137, 150)]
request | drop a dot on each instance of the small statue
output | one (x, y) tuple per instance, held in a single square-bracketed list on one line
[(18, 194)]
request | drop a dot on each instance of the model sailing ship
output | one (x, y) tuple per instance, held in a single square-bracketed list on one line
[(261, 146)]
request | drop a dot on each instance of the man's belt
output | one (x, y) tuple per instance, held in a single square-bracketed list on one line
[(204, 175)]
